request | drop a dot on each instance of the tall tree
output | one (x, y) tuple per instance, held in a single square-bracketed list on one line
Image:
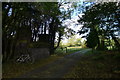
[(104, 18), (26, 21)]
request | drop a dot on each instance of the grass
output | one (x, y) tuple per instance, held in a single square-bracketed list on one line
[(12, 70), (100, 64), (70, 50)]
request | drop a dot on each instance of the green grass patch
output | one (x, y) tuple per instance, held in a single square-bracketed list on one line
[(62, 52), (100, 64)]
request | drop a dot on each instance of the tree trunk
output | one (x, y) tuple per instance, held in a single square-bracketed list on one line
[(52, 36), (59, 39), (8, 47), (45, 27), (116, 42)]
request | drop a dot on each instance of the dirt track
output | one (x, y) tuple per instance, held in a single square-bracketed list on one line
[(57, 69)]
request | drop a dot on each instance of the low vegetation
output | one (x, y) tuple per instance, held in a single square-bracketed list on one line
[(100, 64), (67, 50), (13, 70)]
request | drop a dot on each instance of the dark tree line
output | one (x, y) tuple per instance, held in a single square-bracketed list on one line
[(26, 21), (102, 23)]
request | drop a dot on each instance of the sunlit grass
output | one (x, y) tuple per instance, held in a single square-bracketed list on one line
[(74, 47), (63, 52)]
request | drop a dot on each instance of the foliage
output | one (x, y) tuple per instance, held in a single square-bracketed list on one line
[(102, 65), (103, 17), (92, 39), (73, 41), (26, 21)]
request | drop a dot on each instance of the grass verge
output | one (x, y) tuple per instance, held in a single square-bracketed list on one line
[(100, 64), (70, 50)]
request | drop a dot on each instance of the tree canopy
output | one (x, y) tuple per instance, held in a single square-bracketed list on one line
[(25, 22), (104, 19)]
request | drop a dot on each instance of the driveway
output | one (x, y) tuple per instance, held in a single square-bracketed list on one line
[(58, 68)]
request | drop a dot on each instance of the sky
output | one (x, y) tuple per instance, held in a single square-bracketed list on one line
[(71, 22)]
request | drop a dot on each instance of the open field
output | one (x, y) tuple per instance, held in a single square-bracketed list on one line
[(68, 50)]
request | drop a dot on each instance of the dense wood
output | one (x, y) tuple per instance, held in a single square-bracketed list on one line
[(23, 22)]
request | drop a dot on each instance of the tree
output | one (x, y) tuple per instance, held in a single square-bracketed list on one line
[(74, 41), (105, 21), (26, 21), (92, 39), (78, 42)]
